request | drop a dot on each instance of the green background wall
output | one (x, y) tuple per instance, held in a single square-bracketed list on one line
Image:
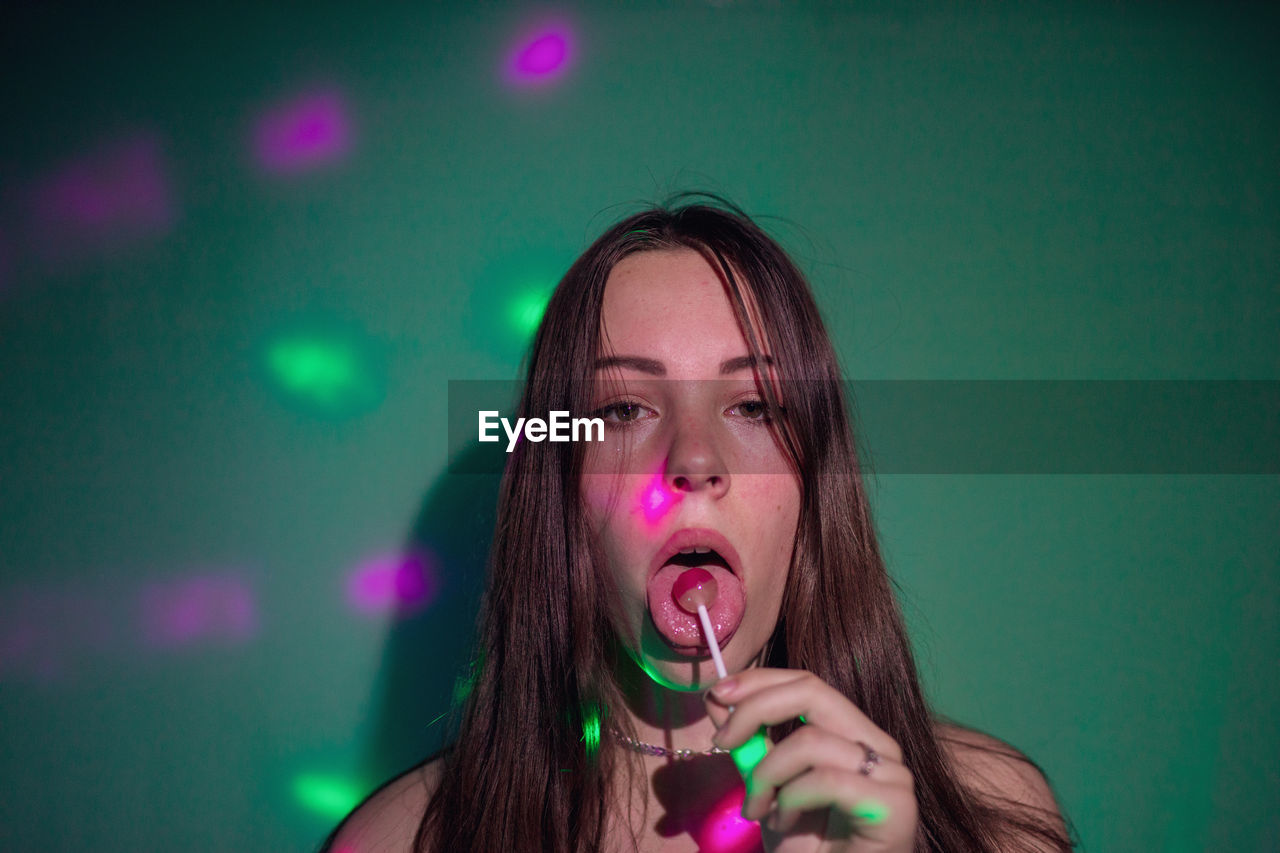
[(223, 377)]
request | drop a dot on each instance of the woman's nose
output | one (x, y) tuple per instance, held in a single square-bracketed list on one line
[(695, 464)]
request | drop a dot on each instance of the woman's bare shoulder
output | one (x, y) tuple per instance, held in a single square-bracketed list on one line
[(387, 822), (995, 769)]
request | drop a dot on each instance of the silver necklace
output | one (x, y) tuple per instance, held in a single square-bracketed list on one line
[(662, 752)]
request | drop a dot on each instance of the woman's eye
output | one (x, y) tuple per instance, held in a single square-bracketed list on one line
[(755, 410), (622, 412)]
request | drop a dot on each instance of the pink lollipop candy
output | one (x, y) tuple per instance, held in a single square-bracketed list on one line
[(693, 588)]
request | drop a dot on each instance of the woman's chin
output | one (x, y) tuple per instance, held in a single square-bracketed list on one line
[(675, 668), (687, 669), (691, 677)]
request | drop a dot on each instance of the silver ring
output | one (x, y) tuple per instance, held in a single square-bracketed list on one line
[(870, 761)]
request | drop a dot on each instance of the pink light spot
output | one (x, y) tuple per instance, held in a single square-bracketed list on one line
[(115, 195), (725, 830), (304, 134), (542, 56), (208, 608), (400, 583), (656, 500)]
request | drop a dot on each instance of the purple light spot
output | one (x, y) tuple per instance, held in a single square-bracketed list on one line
[(304, 134), (47, 632), (208, 608), (115, 195), (542, 56), (399, 583), (6, 263), (27, 646), (53, 634)]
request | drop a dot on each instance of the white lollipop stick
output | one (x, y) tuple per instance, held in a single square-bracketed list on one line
[(711, 641)]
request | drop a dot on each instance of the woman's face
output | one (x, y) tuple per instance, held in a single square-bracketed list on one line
[(689, 472)]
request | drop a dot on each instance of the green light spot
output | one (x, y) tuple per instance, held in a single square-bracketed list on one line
[(658, 678), (333, 372), (526, 309), (324, 370), (330, 797), (747, 756), (591, 731), (870, 811)]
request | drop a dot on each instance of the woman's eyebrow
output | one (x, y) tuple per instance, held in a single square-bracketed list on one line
[(744, 362), (645, 365), (656, 368)]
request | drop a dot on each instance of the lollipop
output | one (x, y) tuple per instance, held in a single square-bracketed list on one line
[(695, 590)]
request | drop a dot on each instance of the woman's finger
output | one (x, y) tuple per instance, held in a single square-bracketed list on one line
[(769, 697), (719, 710), (880, 809), (718, 713), (804, 749)]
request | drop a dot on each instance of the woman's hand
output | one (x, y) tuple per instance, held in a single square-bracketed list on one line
[(836, 783)]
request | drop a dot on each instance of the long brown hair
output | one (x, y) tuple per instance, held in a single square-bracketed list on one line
[(528, 769)]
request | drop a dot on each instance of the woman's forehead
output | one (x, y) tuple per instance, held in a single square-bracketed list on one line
[(673, 303)]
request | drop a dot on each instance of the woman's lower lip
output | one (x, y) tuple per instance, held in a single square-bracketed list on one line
[(701, 650)]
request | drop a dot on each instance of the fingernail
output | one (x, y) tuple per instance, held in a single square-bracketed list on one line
[(724, 688)]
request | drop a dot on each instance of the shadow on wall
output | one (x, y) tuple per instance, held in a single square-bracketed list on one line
[(428, 651)]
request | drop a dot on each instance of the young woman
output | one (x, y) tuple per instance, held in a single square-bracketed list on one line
[(595, 720)]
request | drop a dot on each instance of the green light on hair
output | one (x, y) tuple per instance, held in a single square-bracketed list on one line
[(591, 731), (870, 811), (464, 684), (747, 756), (526, 309), (330, 797)]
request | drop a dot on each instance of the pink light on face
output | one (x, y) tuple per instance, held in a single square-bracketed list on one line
[(542, 56), (306, 133), (399, 583), (114, 195), (656, 500), (725, 830), (207, 608)]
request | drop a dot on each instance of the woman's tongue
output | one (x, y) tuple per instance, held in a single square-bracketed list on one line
[(682, 629)]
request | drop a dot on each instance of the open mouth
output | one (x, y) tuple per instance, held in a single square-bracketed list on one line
[(699, 558), (696, 548)]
